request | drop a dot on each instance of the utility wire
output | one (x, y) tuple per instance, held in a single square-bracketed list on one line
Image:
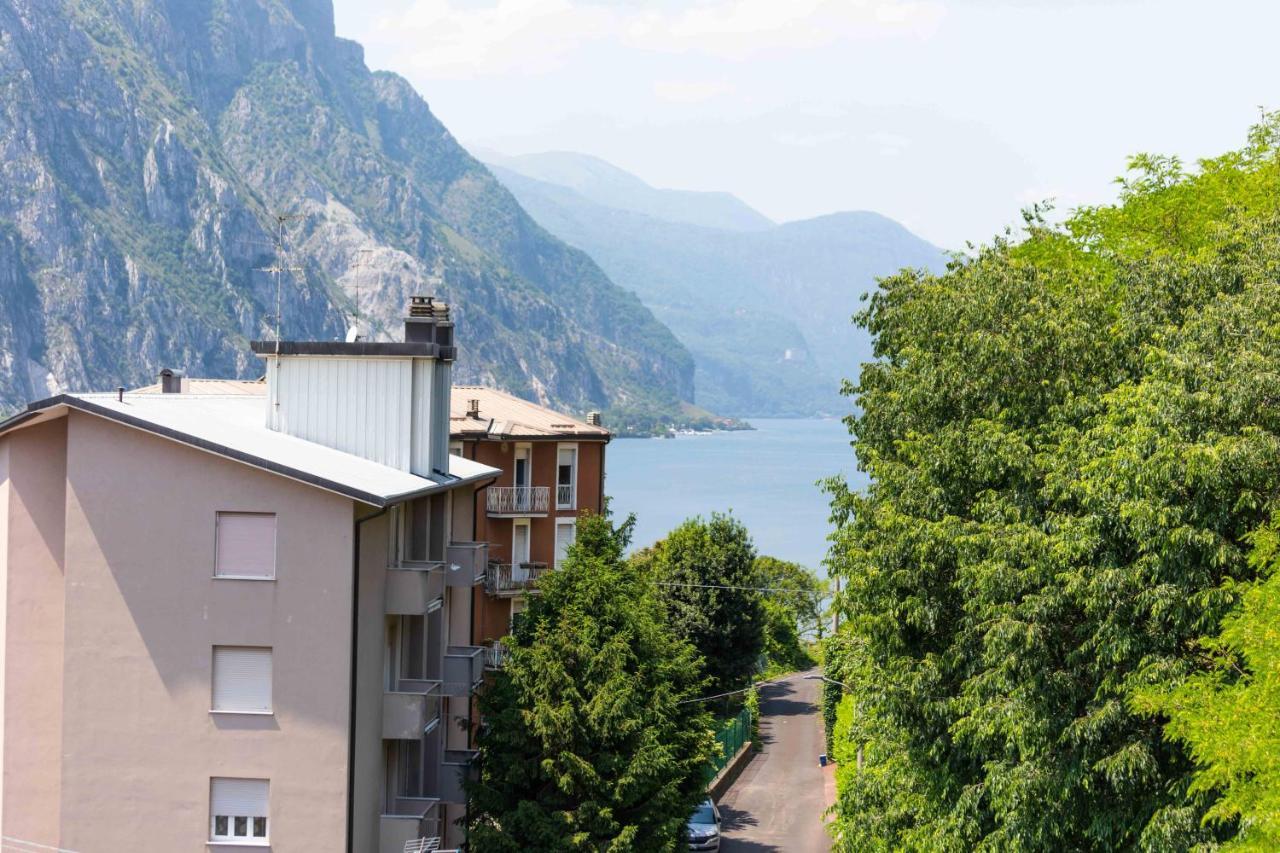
[(723, 586), (743, 690)]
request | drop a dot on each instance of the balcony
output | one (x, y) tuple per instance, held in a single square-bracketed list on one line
[(455, 770), (409, 819), (495, 655), (467, 561), (410, 710), (564, 497), (509, 579), (517, 501), (412, 586), (463, 670)]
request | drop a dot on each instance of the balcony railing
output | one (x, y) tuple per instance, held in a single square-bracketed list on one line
[(495, 655), (411, 709), (406, 820), (463, 670), (455, 769), (564, 497), (467, 563), (517, 500), (413, 585), (513, 578)]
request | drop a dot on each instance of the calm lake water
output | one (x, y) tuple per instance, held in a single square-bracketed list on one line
[(767, 477)]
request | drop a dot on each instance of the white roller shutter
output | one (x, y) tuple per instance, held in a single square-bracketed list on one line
[(246, 545), (241, 679), (247, 797), (566, 535)]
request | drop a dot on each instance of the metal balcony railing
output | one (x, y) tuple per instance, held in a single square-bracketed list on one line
[(411, 709), (513, 578), (517, 500), (564, 497), (463, 670), (495, 655)]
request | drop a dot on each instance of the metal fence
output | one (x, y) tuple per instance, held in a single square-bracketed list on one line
[(732, 735)]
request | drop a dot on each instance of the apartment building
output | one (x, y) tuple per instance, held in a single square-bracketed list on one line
[(238, 616), (553, 470)]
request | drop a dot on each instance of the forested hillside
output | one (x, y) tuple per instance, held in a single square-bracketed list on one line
[(1074, 441), (148, 149)]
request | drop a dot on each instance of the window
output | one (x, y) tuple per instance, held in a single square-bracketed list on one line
[(566, 477), (238, 810), (409, 768), (566, 534), (246, 545), (241, 680), (455, 448)]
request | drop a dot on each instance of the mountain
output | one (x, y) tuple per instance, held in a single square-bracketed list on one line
[(148, 148), (606, 184), (765, 311)]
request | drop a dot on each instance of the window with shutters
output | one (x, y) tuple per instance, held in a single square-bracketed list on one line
[(245, 546), (567, 476), (241, 680), (238, 810), (566, 533)]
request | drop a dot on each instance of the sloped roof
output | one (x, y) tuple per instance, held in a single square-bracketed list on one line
[(233, 425), (505, 416)]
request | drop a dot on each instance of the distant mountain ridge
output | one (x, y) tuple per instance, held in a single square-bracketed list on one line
[(766, 311), (148, 148), (605, 184)]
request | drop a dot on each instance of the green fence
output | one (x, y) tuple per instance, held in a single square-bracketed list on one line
[(732, 735)]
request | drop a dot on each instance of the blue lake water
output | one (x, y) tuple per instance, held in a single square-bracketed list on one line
[(768, 477)]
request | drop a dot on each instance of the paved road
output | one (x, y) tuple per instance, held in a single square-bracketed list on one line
[(777, 802)]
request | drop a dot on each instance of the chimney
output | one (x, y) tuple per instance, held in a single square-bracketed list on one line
[(593, 418), (171, 381), (473, 409)]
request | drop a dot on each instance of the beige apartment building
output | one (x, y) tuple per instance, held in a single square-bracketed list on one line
[(238, 616)]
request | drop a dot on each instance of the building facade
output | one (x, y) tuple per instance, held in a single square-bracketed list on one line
[(239, 616), (553, 471)]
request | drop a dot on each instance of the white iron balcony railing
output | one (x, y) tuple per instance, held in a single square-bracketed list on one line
[(513, 578), (564, 497), (495, 655), (517, 500)]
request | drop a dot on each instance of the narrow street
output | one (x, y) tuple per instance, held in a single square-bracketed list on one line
[(777, 802)]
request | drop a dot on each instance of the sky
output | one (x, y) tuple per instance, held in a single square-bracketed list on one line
[(950, 116)]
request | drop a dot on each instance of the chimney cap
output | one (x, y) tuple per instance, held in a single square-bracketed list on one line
[(473, 408), (428, 307), (171, 381)]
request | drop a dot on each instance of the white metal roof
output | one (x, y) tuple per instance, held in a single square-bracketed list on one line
[(234, 426)]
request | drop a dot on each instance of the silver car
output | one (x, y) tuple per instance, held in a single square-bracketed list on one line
[(704, 827)]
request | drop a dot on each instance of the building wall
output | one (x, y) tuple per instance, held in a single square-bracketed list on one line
[(492, 615), (143, 613), (35, 483), (371, 653)]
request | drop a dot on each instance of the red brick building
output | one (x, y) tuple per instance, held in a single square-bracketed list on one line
[(552, 472)]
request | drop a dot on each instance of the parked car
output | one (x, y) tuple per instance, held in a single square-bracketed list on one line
[(704, 827)]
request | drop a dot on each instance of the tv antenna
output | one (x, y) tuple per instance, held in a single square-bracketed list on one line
[(277, 268), (353, 334)]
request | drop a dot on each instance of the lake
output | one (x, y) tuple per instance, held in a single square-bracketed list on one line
[(767, 476)]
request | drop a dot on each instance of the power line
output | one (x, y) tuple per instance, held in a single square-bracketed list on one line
[(724, 586), (743, 690)]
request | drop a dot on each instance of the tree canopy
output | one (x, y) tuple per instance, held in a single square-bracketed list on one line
[(1071, 438), (586, 744), (705, 570)]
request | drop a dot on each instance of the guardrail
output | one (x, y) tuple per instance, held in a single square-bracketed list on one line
[(512, 578), (517, 500)]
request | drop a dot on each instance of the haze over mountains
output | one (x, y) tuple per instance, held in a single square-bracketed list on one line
[(147, 149), (765, 308)]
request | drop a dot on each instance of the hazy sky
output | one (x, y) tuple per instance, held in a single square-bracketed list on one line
[(948, 115)]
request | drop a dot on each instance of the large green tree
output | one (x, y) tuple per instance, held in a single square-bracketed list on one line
[(1070, 439), (793, 600), (705, 570), (589, 741)]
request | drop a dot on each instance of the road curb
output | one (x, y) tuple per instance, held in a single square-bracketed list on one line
[(725, 778)]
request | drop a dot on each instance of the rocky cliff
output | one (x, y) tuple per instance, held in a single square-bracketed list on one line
[(156, 156)]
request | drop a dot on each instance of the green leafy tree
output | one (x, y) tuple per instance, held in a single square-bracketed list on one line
[(706, 573), (1228, 716), (1070, 440), (589, 742), (795, 588)]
